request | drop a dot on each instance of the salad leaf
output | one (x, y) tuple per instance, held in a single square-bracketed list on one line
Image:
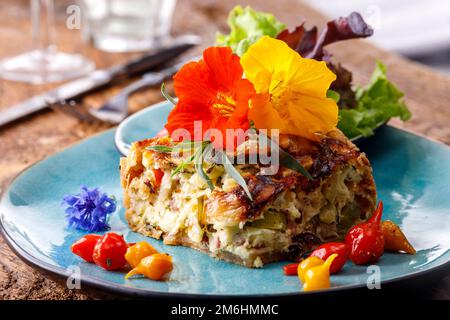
[(379, 101), (247, 26), (310, 46), (300, 39), (333, 95), (343, 86)]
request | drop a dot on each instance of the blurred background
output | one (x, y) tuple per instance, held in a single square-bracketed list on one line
[(417, 29), (48, 42)]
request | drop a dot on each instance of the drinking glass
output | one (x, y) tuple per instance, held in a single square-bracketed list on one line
[(127, 25), (44, 64)]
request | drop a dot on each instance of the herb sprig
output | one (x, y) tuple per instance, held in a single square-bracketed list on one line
[(166, 95), (201, 150), (198, 151)]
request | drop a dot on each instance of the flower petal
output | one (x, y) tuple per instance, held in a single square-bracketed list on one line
[(191, 82), (89, 211), (311, 78), (222, 67), (315, 116), (264, 115), (297, 87), (212, 91), (267, 61), (185, 114), (200, 81)]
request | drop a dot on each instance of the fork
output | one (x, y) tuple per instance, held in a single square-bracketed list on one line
[(116, 108)]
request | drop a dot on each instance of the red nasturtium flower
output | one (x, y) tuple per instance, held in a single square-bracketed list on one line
[(212, 91)]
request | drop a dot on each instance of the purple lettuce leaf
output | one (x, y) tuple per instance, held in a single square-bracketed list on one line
[(309, 45)]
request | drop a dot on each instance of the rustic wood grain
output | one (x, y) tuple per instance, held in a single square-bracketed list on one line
[(427, 94)]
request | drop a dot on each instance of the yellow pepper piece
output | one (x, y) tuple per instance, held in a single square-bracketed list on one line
[(154, 267), (307, 264), (318, 277), (139, 251), (394, 238)]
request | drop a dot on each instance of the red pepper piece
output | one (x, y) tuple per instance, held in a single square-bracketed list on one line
[(327, 249), (159, 174), (366, 240), (109, 252), (290, 269), (84, 247)]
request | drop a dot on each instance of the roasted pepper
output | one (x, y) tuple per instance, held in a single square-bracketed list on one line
[(137, 252), (307, 264), (366, 240), (109, 252), (327, 249), (84, 247), (159, 174), (318, 277), (290, 269), (395, 239), (154, 267)]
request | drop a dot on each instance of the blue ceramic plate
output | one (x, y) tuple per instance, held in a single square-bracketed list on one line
[(412, 176)]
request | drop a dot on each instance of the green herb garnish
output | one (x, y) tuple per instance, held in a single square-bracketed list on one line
[(232, 171), (167, 95), (286, 160), (198, 161), (160, 148)]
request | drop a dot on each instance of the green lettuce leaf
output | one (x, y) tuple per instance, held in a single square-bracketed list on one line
[(376, 103), (247, 26)]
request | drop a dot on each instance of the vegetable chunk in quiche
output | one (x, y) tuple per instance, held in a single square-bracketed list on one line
[(287, 217)]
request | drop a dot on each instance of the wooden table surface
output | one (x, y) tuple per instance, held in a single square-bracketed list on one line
[(427, 94)]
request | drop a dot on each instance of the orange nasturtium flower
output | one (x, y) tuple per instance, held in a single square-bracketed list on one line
[(212, 91), (292, 91)]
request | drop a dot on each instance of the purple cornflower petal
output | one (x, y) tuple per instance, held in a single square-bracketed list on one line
[(89, 210)]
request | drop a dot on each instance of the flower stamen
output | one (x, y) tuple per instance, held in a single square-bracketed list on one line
[(225, 104)]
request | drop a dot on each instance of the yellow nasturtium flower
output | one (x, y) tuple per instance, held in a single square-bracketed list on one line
[(292, 91)]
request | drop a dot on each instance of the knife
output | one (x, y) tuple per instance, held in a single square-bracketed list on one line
[(98, 79)]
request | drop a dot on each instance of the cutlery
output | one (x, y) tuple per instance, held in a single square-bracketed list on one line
[(116, 108), (98, 79)]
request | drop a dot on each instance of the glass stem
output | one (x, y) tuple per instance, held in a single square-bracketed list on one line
[(43, 24)]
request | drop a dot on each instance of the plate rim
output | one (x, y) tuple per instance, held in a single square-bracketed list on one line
[(119, 144), (109, 286)]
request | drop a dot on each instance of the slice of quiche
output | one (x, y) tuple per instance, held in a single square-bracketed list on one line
[(287, 217)]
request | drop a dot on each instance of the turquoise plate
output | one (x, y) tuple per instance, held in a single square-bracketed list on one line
[(412, 176)]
